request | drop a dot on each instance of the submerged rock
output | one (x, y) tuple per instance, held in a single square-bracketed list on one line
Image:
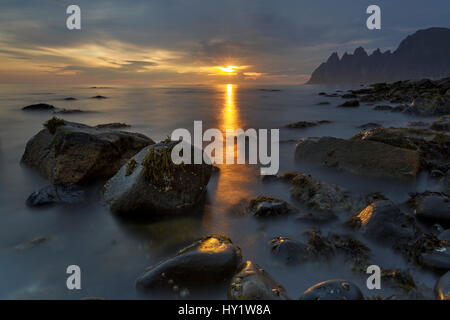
[(150, 182), (442, 287), (32, 243), (306, 124), (264, 206), (385, 223), (39, 107), (211, 260), (254, 283), (76, 153), (360, 156), (98, 97), (333, 290), (61, 193)]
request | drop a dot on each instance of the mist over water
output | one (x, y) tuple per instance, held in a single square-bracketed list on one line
[(111, 251)]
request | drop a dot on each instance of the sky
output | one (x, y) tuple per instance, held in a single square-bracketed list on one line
[(178, 42)]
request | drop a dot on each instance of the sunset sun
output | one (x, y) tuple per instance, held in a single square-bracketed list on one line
[(228, 69)]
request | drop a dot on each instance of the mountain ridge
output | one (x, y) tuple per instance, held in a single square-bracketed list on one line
[(424, 54)]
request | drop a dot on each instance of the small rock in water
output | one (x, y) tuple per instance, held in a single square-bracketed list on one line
[(39, 107), (287, 250), (99, 97), (306, 124), (438, 258), (433, 207), (321, 103), (69, 99), (211, 260), (350, 103), (264, 206), (61, 193), (442, 287), (333, 290), (254, 283)]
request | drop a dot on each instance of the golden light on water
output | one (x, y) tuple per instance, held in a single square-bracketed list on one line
[(229, 111)]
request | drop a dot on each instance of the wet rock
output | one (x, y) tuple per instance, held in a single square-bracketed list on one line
[(98, 97), (288, 250), (306, 124), (349, 96), (76, 153), (254, 283), (39, 107), (211, 260), (70, 99), (32, 243), (370, 125), (432, 146), (62, 193), (385, 223), (264, 206), (350, 103), (321, 195), (432, 207), (151, 183), (430, 106), (333, 290), (443, 124), (442, 287), (361, 156), (436, 174)]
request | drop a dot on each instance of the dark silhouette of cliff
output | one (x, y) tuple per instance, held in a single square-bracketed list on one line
[(425, 54)]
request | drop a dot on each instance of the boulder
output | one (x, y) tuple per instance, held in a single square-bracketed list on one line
[(151, 183), (361, 157), (437, 259), (333, 290), (385, 223), (61, 193), (254, 283), (76, 153), (213, 259), (442, 287), (432, 146)]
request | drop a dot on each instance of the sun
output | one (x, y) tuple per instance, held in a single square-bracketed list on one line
[(230, 70)]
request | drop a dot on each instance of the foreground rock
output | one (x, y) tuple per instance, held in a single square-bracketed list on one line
[(211, 260), (150, 182), (432, 146), (288, 250), (385, 223), (360, 156), (442, 287), (333, 290), (254, 283), (39, 107), (62, 193), (76, 153)]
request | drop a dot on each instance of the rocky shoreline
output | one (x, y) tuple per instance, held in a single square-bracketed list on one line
[(138, 178)]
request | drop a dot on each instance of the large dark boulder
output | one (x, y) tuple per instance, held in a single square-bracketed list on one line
[(211, 260), (76, 153), (254, 283), (360, 156), (150, 182)]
